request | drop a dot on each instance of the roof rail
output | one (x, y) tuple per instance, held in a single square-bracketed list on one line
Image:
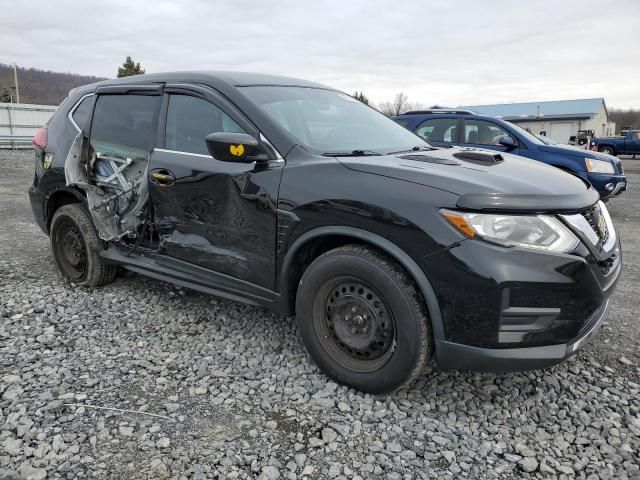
[(439, 110)]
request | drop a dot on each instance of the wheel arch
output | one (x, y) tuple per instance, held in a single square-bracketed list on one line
[(58, 198), (607, 145), (321, 239)]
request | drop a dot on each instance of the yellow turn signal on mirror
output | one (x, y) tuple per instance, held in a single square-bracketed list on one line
[(458, 221)]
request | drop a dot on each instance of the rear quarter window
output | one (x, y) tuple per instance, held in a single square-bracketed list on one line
[(82, 112)]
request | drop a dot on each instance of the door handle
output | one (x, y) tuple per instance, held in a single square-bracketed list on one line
[(162, 177)]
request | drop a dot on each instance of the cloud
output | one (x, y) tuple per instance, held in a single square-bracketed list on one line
[(451, 53)]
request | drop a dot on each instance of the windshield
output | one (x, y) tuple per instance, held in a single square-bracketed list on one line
[(528, 135), (331, 122)]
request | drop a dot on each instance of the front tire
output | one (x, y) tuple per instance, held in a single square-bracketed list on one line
[(362, 320), (607, 150), (75, 246)]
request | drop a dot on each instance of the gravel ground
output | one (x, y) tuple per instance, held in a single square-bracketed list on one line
[(216, 389)]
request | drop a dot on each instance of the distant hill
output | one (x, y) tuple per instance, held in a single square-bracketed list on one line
[(40, 86)]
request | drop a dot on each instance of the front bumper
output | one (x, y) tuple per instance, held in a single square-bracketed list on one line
[(608, 186), (455, 356), (506, 309)]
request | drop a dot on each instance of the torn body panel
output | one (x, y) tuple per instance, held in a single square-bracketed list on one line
[(111, 163), (116, 189)]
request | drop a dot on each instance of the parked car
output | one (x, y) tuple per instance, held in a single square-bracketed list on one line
[(629, 144), (464, 128), (293, 196)]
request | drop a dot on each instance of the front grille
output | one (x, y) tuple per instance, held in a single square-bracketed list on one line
[(598, 224)]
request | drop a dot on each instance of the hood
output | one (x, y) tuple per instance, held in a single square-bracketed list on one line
[(578, 152), (493, 181)]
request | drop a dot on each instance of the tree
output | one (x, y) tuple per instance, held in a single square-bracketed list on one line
[(625, 118), (361, 97), (5, 95), (399, 105), (129, 68)]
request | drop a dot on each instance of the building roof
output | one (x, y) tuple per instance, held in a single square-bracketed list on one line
[(583, 108)]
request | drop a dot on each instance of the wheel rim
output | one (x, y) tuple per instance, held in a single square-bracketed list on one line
[(354, 324), (606, 150), (71, 250)]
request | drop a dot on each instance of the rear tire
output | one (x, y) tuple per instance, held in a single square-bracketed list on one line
[(75, 246), (362, 320)]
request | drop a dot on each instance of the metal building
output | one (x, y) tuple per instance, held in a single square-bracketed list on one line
[(558, 119)]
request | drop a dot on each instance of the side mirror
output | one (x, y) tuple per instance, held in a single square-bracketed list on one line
[(507, 141), (234, 147)]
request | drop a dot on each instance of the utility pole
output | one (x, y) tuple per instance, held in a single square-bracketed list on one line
[(15, 80)]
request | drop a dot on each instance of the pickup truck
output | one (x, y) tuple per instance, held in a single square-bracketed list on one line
[(629, 144)]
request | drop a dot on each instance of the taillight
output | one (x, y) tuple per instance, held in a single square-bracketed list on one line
[(41, 137)]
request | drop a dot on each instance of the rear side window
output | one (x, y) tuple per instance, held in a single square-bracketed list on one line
[(82, 112), (442, 130), (190, 120), (124, 126), (482, 133)]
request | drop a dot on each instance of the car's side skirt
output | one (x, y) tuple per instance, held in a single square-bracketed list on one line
[(185, 274)]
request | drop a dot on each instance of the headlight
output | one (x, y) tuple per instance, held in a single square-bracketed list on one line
[(598, 166), (540, 232)]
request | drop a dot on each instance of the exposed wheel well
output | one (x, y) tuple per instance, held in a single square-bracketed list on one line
[(57, 200)]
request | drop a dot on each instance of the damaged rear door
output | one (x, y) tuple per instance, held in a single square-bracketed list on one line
[(110, 164), (210, 213)]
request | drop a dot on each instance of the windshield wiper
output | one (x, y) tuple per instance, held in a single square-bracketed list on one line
[(417, 148), (352, 153)]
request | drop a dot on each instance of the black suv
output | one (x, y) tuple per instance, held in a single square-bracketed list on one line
[(294, 196)]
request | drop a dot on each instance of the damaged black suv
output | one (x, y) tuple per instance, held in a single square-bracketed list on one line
[(287, 194)]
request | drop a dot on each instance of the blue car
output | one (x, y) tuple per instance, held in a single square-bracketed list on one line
[(449, 127)]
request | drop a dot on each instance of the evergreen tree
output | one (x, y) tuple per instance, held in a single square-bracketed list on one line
[(5, 95), (361, 96), (129, 68)]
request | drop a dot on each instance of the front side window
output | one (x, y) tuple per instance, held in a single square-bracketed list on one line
[(439, 130), (124, 125), (328, 121), (191, 119), (483, 133)]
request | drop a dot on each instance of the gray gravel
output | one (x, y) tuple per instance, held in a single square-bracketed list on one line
[(215, 389)]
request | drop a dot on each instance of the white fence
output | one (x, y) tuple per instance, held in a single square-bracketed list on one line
[(19, 122)]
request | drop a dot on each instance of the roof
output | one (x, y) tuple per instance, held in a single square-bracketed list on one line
[(583, 108), (235, 79)]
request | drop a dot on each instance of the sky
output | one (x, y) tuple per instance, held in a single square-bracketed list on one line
[(437, 52)]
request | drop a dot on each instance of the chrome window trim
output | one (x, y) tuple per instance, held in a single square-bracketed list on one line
[(264, 139), (73, 109), (180, 152)]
